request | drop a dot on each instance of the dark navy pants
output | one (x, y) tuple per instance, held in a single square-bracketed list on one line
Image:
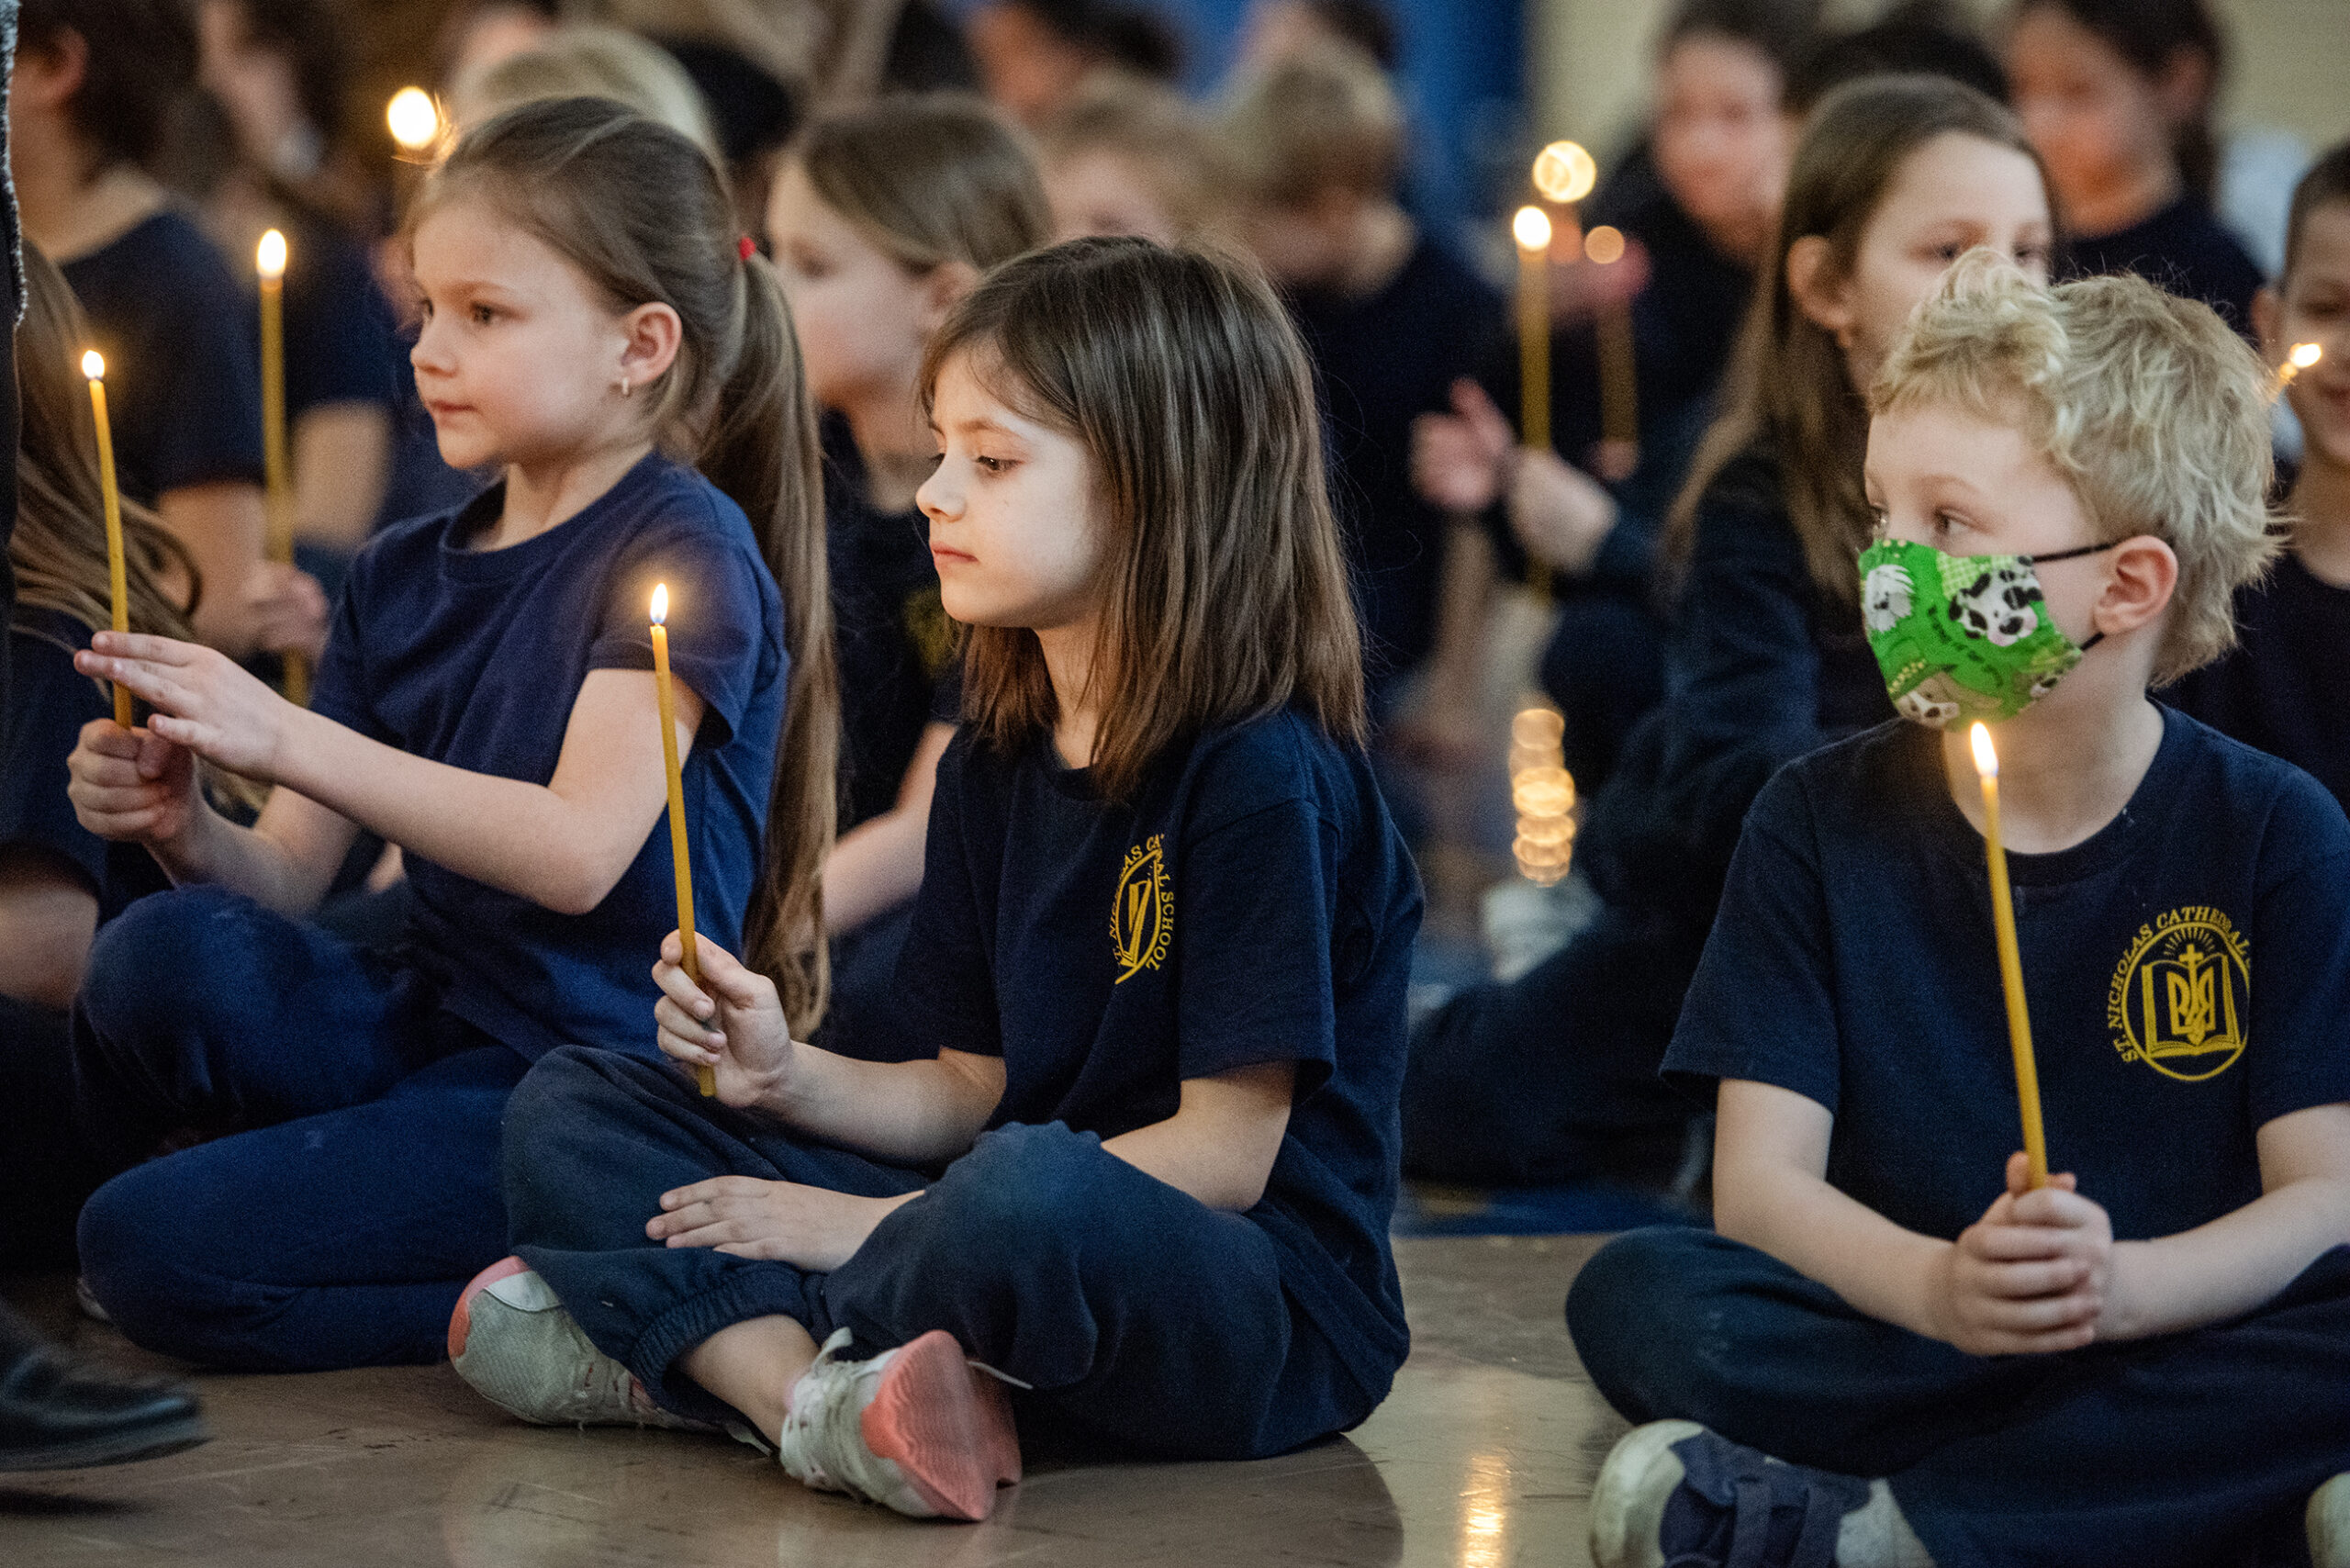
[(2197, 1450), (1553, 1076), (350, 1188), (1145, 1322)]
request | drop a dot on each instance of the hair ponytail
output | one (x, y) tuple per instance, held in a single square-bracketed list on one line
[(638, 209), (762, 450)]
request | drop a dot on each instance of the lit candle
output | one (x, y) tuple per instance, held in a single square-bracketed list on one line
[(1532, 230), (269, 260), (2003, 922), (702, 1075), (2300, 358), (93, 365), (414, 120), (1619, 412)]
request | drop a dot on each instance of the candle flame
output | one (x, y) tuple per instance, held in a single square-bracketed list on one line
[(660, 603), (1532, 227), (93, 365), (2304, 355), (1986, 761), (414, 119), (1603, 245), (1564, 171), (269, 256)]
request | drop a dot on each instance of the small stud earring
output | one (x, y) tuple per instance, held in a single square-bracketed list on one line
[(624, 386)]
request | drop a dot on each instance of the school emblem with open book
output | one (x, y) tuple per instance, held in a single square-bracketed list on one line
[(1141, 919), (2181, 999)]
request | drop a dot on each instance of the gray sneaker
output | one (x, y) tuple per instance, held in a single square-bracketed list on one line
[(512, 1340), (919, 1428), (2329, 1524)]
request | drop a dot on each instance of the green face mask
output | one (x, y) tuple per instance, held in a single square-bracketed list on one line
[(1962, 638)]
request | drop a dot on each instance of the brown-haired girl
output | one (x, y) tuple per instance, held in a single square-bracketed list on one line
[(881, 222), (58, 880), (1555, 1074), (1160, 952), (592, 323)]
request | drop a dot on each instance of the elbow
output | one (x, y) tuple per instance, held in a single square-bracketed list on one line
[(574, 889)]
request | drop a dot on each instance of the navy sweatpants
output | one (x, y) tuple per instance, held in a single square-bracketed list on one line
[(1144, 1321), (351, 1188), (2198, 1450), (1552, 1077)]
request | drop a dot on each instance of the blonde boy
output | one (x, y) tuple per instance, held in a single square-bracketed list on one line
[(2146, 1362)]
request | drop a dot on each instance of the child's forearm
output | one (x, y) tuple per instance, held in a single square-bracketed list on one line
[(912, 1113), (1878, 1267), (521, 839), (248, 860), (2226, 1267)]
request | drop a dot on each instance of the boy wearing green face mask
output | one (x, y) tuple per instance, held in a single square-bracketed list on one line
[(2146, 1362)]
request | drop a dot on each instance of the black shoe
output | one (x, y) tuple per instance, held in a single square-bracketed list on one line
[(58, 1415)]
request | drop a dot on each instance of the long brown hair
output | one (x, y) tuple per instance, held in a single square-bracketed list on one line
[(1789, 383), (58, 549), (1224, 590), (638, 209), (929, 179)]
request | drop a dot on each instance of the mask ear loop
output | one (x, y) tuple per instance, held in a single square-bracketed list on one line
[(2040, 561)]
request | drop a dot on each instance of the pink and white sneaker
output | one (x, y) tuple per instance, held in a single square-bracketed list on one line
[(919, 1428), (512, 1340)]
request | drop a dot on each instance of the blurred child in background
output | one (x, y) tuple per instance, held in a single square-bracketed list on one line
[(586, 59), (2117, 96), (1033, 55), (1128, 157), (882, 220), (95, 85), (2280, 689), (1315, 144)]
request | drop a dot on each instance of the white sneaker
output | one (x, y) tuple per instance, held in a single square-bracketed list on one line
[(919, 1429), (2329, 1524), (512, 1340)]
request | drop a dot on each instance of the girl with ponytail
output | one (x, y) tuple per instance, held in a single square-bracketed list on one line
[(595, 326)]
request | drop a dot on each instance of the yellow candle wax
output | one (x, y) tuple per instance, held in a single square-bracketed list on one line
[(1620, 425), (704, 1077), (118, 575), (2003, 922), (1532, 230), (269, 260)]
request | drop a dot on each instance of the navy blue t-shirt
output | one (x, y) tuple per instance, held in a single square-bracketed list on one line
[(182, 370), (2187, 969), (48, 702), (2280, 688), (895, 645), (339, 327), (1252, 903), (1382, 361), (475, 657), (2182, 248)]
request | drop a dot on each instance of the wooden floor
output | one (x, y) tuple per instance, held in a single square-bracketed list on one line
[(1482, 1458)]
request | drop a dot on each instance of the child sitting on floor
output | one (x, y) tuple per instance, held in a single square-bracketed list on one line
[(1160, 949), (2282, 690), (2145, 1361), (592, 321)]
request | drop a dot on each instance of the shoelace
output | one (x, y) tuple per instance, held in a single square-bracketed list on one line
[(603, 1382)]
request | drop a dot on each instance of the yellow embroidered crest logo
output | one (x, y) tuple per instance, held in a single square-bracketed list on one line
[(1142, 918), (2181, 999)]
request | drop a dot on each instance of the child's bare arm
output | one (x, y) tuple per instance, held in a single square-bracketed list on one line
[(2015, 1283), (563, 844), (2236, 1262), (1220, 1143)]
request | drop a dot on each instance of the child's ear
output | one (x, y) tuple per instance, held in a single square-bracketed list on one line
[(2267, 320), (47, 76), (650, 337), (1818, 293), (943, 287), (2146, 574)]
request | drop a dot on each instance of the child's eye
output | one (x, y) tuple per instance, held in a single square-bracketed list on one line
[(992, 464), (484, 315)]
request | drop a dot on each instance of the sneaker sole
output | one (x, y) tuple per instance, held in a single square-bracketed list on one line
[(1628, 1500), (461, 1321), (946, 1425)]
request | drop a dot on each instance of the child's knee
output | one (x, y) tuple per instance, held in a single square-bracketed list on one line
[(160, 965), (1023, 1189), (135, 1234), (1623, 1295)]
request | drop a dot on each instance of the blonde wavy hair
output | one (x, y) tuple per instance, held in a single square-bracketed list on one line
[(2151, 406)]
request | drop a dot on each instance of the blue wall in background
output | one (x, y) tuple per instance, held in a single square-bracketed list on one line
[(1463, 80)]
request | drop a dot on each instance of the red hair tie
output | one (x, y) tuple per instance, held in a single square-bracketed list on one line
[(746, 248)]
